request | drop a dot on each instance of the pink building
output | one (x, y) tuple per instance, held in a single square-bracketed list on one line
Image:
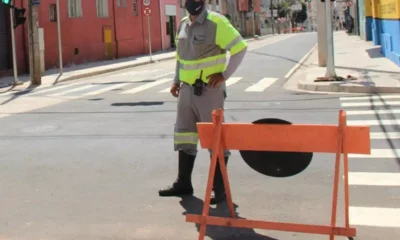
[(170, 17)]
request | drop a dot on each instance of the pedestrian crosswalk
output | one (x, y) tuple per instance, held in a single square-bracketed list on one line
[(132, 85), (378, 172)]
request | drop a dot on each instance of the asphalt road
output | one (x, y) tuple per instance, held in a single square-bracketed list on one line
[(90, 166)]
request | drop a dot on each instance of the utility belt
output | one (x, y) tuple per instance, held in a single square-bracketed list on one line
[(198, 85)]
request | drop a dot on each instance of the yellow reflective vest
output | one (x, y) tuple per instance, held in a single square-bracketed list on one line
[(202, 45)]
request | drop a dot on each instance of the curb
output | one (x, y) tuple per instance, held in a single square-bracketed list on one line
[(91, 74), (300, 63), (99, 72), (338, 87)]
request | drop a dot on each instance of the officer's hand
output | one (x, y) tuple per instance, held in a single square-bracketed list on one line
[(175, 89), (214, 80)]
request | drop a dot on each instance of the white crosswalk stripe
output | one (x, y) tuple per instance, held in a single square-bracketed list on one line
[(165, 90), (380, 121), (374, 122), (261, 85), (375, 216), (71, 90), (373, 112), (106, 89), (233, 80), (385, 135), (370, 98), (371, 104), (147, 86), (134, 73), (136, 85), (374, 179)]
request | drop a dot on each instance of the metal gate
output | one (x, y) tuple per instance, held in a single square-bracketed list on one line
[(4, 49)]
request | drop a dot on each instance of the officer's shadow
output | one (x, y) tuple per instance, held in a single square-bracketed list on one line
[(194, 205)]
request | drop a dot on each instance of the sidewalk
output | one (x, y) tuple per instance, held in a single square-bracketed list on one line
[(358, 58), (52, 76)]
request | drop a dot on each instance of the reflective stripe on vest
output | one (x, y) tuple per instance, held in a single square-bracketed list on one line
[(190, 70)]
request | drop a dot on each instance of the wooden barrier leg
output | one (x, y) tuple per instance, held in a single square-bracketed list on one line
[(336, 176), (225, 178), (345, 173), (217, 121)]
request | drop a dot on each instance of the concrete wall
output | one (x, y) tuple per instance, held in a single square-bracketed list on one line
[(84, 39), (386, 28), (368, 20)]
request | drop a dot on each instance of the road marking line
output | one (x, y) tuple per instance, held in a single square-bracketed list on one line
[(384, 135), (165, 90), (374, 179), (71, 90), (2, 115), (147, 86), (130, 73), (379, 153), (368, 104), (261, 85), (106, 89), (369, 97), (375, 217), (233, 80), (373, 112), (53, 88), (374, 122), (163, 75)]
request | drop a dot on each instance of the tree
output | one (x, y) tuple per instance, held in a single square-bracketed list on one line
[(301, 16)]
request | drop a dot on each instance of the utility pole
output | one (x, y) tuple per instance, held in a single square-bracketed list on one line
[(34, 51), (321, 31), (272, 17), (14, 54), (253, 24), (59, 38), (330, 62)]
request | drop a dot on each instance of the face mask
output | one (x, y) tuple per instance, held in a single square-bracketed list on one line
[(193, 7)]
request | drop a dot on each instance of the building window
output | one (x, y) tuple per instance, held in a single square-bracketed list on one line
[(102, 8), (74, 8), (135, 11), (118, 3), (53, 12), (124, 3)]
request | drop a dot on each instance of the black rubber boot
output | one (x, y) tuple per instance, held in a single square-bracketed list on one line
[(218, 187), (183, 184)]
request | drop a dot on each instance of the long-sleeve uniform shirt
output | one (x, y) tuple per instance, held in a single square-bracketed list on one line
[(202, 46)]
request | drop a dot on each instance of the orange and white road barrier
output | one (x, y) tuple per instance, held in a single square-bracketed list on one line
[(339, 139)]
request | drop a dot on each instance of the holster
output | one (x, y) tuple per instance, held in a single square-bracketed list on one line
[(198, 87)]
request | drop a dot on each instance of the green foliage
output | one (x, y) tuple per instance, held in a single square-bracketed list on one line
[(301, 16), (5, 1), (284, 10)]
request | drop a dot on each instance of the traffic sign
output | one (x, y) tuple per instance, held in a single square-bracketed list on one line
[(147, 11), (146, 3), (349, 3)]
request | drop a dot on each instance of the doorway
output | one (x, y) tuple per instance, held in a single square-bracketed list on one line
[(171, 26), (4, 53)]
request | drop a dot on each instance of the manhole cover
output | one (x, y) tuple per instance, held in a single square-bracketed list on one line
[(43, 128)]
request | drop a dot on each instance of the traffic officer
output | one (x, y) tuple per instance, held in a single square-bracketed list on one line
[(203, 38)]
